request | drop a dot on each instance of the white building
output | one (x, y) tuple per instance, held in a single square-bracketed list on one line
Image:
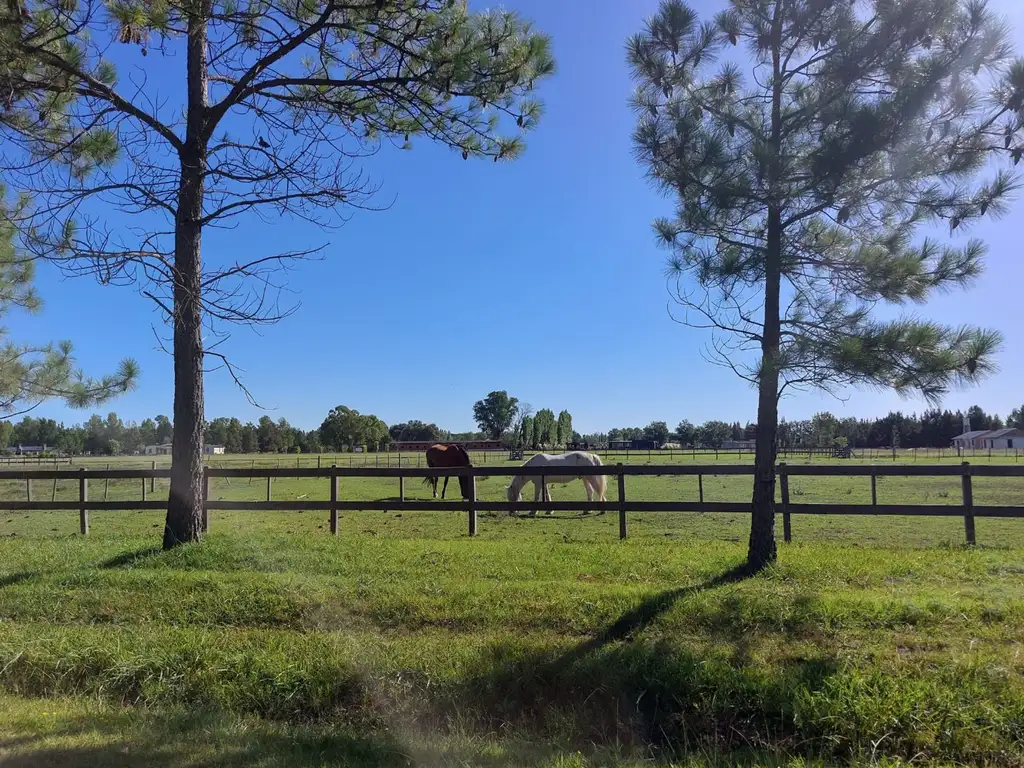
[(213, 450), (164, 449), (984, 439)]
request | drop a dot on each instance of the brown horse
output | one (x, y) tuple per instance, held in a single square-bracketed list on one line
[(449, 456)]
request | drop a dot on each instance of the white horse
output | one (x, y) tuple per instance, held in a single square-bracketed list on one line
[(561, 474)]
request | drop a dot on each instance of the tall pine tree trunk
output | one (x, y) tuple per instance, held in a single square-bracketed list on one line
[(185, 501), (761, 548)]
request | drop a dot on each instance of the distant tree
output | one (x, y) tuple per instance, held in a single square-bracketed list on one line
[(113, 447), (545, 427), (6, 433), (147, 432), (164, 430), (496, 413), (522, 427), (310, 442), (414, 430), (711, 434), (266, 430), (686, 433), (750, 431), (527, 432), (250, 438), (861, 123), (826, 429), (982, 420), (72, 441), (1016, 418), (564, 428), (375, 433), (286, 438), (737, 431), (347, 428), (657, 431)]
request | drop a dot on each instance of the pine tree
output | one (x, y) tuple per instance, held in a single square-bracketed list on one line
[(802, 192), (279, 103), (31, 374)]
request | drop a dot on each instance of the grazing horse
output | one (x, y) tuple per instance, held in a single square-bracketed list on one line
[(449, 456), (561, 467)]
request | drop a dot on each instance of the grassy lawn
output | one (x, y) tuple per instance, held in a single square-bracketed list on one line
[(542, 642)]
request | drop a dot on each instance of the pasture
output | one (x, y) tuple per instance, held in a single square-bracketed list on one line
[(542, 642)]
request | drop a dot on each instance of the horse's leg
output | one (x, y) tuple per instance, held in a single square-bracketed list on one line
[(590, 493), (536, 496), (433, 484), (444, 490), (547, 493)]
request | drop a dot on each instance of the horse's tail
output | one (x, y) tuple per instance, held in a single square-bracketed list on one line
[(600, 481), (430, 464)]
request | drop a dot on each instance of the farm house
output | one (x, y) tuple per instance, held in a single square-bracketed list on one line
[(985, 439)]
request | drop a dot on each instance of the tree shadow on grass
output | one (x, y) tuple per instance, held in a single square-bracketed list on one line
[(16, 578), (215, 740), (132, 558), (191, 740), (632, 685)]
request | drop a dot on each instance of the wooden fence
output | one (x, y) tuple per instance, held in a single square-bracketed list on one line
[(334, 475)]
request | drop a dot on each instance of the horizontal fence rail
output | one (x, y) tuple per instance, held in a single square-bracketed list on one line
[(965, 471)]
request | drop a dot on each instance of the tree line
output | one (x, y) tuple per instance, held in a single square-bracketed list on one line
[(933, 428), (346, 429)]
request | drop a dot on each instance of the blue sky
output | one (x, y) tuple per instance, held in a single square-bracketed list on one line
[(539, 277)]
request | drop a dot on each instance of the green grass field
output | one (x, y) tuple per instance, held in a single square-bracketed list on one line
[(542, 642)]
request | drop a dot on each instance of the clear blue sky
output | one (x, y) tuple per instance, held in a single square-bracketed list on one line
[(539, 277)]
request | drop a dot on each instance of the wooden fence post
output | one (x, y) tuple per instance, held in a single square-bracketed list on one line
[(622, 502), (28, 489), (83, 496), (106, 484), (270, 481), (700, 488), (968, 492), (787, 531), (152, 480), (401, 488), (472, 509), (143, 489), (874, 487), (206, 499), (334, 500)]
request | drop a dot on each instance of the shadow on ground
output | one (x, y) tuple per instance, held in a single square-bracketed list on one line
[(209, 740), (132, 558), (16, 578), (631, 686)]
